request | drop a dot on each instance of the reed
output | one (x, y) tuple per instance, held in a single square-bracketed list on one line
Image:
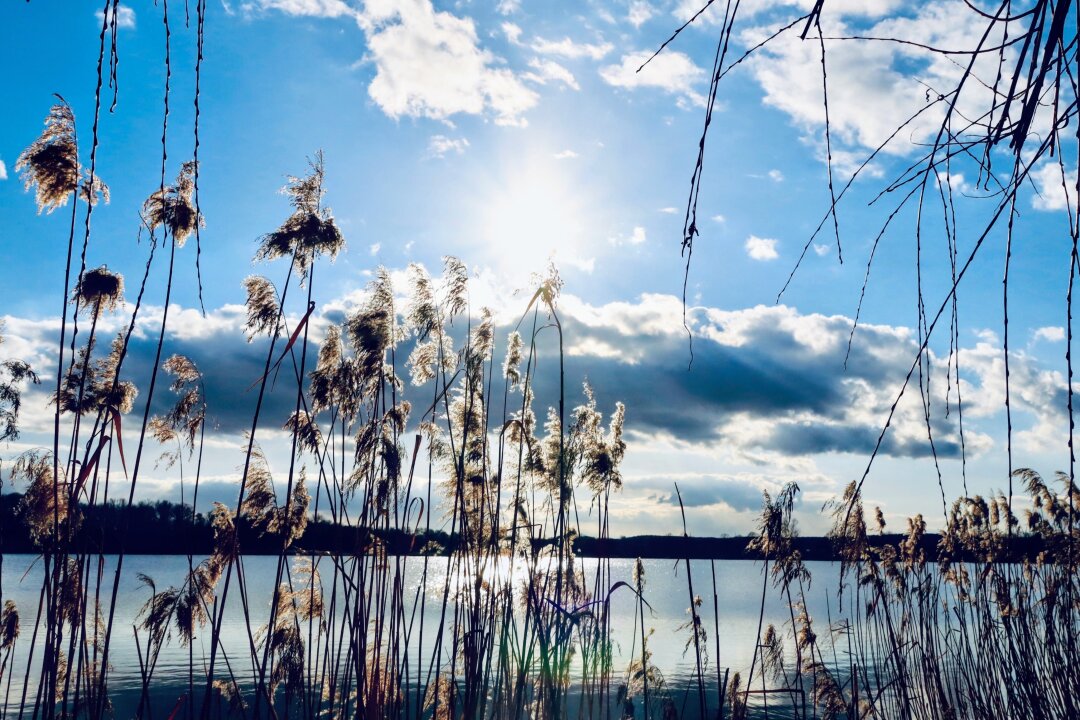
[(405, 415)]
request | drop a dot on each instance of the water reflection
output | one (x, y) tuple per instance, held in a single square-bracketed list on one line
[(729, 610)]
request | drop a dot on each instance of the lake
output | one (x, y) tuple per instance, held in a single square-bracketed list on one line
[(738, 596)]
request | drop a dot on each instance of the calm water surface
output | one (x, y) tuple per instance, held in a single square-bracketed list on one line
[(738, 595)]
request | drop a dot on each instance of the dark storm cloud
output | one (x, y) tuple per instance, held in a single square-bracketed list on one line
[(230, 367), (765, 378), (766, 364), (808, 438), (737, 493)]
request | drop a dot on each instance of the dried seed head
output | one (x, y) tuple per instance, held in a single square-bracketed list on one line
[(512, 364), (262, 306), (99, 289), (173, 208), (9, 626), (310, 231), (51, 164)]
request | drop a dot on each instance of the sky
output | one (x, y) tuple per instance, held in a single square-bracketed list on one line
[(515, 133)]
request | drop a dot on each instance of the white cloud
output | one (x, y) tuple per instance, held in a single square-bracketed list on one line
[(636, 237), (306, 8), (822, 249), (429, 64), (512, 32), (668, 210), (719, 218), (776, 175), (441, 145), (640, 13), (1054, 193), (549, 70), (567, 48), (957, 182), (508, 7), (874, 86), (565, 155), (125, 17), (686, 9), (671, 71), (375, 248), (759, 248), (1035, 392), (3, 170), (1050, 334), (769, 388), (800, 401)]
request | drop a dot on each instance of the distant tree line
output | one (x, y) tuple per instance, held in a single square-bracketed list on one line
[(167, 528)]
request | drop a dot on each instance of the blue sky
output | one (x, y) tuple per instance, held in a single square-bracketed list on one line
[(510, 133)]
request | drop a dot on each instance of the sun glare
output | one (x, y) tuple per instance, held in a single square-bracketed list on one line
[(533, 217)]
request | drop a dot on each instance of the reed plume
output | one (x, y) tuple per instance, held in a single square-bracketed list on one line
[(13, 373), (310, 231), (173, 208), (51, 166)]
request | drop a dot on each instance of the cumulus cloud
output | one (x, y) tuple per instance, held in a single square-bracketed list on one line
[(1034, 391), (565, 155), (512, 32), (640, 12), (215, 343), (508, 7), (570, 49), (759, 248), (1050, 334), (307, 8), (3, 170), (1054, 190), (766, 379), (441, 145), (544, 71), (124, 19), (874, 87), (766, 382), (429, 63), (673, 72), (686, 9)]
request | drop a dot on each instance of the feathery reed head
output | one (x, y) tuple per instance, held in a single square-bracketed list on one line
[(107, 392), (310, 231), (51, 164), (185, 420), (173, 208), (44, 502), (456, 281), (422, 315), (512, 363), (9, 626), (12, 374), (308, 435), (262, 306), (99, 289)]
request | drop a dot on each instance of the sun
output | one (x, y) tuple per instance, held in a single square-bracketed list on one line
[(536, 215)]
